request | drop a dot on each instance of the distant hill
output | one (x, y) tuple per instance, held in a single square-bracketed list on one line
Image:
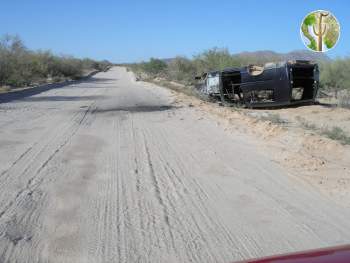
[(268, 55), (167, 60), (293, 55)]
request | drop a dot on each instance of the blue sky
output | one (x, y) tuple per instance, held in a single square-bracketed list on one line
[(127, 31)]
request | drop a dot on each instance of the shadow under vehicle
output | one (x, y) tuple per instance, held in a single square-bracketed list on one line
[(270, 85)]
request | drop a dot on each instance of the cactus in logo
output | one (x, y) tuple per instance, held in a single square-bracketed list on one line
[(320, 30)]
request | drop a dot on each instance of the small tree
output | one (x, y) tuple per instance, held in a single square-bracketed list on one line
[(154, 66), (181, 69), (335, 75)]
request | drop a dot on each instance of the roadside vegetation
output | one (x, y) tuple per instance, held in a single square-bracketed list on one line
[(335, 80), (334, 74), (335, 133), (274, 118), (20, 67), (178, 74)]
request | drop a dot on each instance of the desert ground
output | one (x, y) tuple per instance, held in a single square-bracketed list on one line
[(113, 170)]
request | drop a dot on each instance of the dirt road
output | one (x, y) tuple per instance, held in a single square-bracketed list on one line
[(112, 170)]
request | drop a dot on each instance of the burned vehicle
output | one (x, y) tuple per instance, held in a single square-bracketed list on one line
[(273, 84)]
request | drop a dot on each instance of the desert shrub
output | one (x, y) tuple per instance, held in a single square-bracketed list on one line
[(335, 74), (338, 134), (273, 118), (344, 99), (306, 124), (154, 66), (184, 69), (335, 78), (13, 56), (214, 59), (181, 69), (69, 67), (102, 65), (21, 67)]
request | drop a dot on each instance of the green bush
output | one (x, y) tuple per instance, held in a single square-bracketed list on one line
[(154, 66), (214, 59), (335, 75), (181, 69), (22, 67), (338, 134)]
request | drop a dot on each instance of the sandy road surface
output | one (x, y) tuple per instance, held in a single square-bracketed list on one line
[(111, 170)]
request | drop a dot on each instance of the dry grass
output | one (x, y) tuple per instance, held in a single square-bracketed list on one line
[(274, 118), (4, 89), (344, 100), (305, 124), (337, 134)]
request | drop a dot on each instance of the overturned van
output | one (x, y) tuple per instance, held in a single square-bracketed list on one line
[(274, 84)]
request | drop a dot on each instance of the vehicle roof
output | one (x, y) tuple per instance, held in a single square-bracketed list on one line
[(266, 66)]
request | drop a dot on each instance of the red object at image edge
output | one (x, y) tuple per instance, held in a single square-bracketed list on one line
[(340, 254)]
